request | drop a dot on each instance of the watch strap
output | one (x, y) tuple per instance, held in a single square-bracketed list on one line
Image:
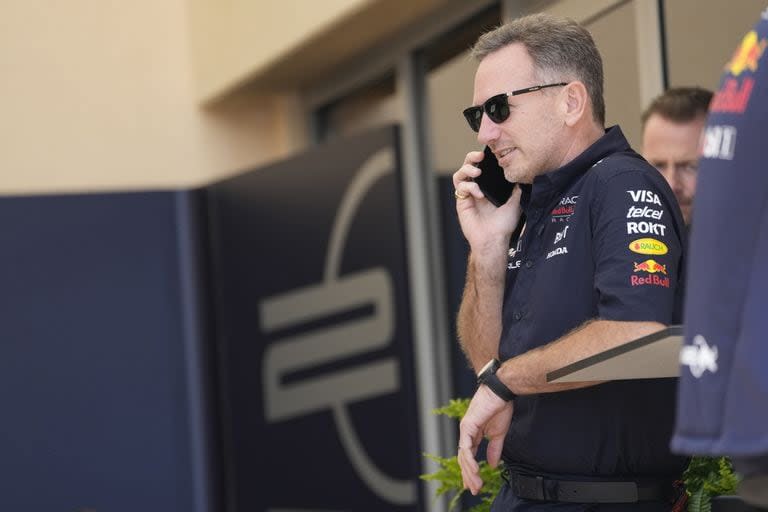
[(502, 391)]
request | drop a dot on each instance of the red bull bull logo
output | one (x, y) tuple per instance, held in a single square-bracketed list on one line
[(747, 55), (650, 266), (734, 95), (653, 268)]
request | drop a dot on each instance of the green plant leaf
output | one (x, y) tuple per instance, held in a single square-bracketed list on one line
[(456, 408), (699, 502), (705, 477)]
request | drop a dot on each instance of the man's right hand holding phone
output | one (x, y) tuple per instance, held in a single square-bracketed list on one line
[(486, 227)]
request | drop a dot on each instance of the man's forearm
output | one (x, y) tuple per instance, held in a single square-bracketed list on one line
[(479, 319), (527, 373)]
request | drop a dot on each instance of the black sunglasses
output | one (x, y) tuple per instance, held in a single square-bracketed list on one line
[(497, 107)]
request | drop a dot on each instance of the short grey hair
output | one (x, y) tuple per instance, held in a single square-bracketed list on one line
[(558, 47)]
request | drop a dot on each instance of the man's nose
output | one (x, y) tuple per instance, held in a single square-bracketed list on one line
[(488, 132), (676, 182), (670, 174)]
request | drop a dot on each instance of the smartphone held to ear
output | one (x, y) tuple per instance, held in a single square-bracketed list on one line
[(492, 181)]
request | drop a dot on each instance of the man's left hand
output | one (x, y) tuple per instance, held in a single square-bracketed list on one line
[(487, 416)]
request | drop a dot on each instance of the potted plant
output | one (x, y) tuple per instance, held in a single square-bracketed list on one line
[(705, 477)]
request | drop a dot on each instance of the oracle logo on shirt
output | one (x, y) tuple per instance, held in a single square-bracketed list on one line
[(564, 209)]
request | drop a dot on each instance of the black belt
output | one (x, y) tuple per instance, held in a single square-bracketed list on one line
[(547, 489)]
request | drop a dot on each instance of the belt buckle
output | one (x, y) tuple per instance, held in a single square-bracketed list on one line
[(529, 487)]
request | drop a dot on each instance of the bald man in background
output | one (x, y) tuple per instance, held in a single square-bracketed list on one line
[(672, 127)]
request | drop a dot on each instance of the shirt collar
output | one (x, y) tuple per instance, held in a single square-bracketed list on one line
[(550, 184)]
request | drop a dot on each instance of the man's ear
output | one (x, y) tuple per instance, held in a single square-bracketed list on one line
[(577, 103)]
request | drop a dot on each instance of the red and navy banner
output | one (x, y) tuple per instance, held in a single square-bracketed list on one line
[(724, 382)]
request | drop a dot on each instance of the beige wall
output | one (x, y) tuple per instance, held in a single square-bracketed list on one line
[(449, 91), (702, 36), (235, 39), (102, 95), (288, 44), (99, 95), (620, 30), (105, 95), (615, 36)]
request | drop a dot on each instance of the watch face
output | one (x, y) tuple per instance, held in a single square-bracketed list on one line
[(488, 367)]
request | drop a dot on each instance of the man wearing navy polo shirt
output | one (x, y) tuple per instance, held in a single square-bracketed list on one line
[(599, 263)]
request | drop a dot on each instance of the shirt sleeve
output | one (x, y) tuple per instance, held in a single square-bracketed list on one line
[(637, 248)]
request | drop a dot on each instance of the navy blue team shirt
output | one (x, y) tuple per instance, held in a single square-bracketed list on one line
[(603, 239), (724, 376)]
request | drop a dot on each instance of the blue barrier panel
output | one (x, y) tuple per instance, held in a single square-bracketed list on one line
[(314, 333), (101, 333)]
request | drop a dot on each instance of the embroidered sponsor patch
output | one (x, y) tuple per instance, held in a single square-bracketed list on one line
[(650, 266), (564, 209), (635, 212), (646, 228), (648, 246), (652, 280), (513, 263), (644, 196), (557, 252), (560, 236)]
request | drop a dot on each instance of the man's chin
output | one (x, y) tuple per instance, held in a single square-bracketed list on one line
[(517, 177), (687, 212)]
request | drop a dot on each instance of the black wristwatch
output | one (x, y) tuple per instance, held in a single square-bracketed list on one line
[(488, 377)]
